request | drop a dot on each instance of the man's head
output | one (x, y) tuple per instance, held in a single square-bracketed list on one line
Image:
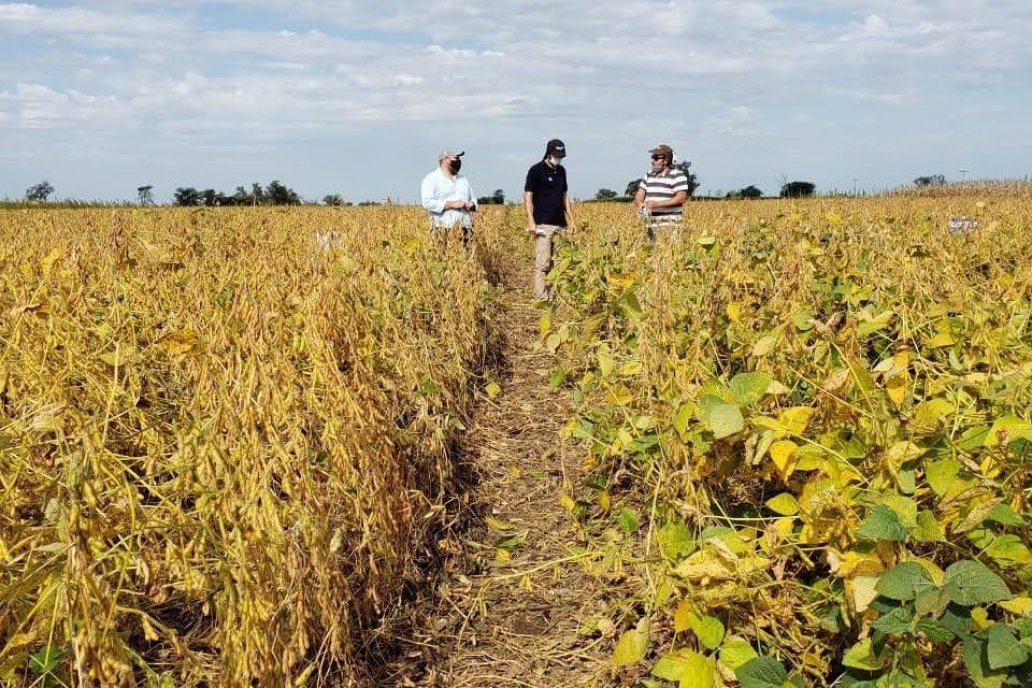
[(451, 158), (555, 150), (662, 156)]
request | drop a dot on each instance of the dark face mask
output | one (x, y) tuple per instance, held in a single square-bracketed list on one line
[(455, 165)]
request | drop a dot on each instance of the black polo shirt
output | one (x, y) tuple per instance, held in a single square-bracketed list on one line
[(548, 186)]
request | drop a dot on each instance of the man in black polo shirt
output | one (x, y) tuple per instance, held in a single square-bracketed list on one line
[(548, 210)]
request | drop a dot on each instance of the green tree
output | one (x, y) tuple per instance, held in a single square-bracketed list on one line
[(605, 194), (39, 192), (798, 190), (278, 194), (497, 198), (632, 187), (693, 180), (143, 193), (750, 191), (187, 195)]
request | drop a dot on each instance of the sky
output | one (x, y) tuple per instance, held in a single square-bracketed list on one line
[(357, 98)]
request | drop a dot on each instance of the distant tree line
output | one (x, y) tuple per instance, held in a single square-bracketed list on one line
[(497, 198), (273, 194), (931, 180)]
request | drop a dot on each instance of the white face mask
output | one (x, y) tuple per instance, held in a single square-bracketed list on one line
[(657, 167), (554, 161)]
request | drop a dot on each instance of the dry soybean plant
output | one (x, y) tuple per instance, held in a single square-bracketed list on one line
[(224, 436)]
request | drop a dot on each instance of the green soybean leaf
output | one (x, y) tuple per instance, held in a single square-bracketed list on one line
[(904, 581), (724, 420), (709, 630), (896, 621), (628, 520), (970, 583), (861, 656), (934, 631), (1003, 648), (883, 524), (676, 540), (735, 653), (749, 388), (976, 662), (941, 474), (928, 528), (1006, 516), (762, 672), (45, 660)]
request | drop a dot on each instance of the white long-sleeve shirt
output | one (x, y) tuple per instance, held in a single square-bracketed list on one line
[(437, 189)]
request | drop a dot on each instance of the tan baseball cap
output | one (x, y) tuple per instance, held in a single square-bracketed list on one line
[(664, 150)]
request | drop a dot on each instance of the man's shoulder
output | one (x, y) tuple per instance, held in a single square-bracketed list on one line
[(432, 174), (537, 167)]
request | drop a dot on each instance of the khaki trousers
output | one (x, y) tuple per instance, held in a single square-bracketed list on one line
[(543, 259)]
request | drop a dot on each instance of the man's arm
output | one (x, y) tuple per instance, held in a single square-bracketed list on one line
[(679, 198), (471, 198), (528, 204), (570, 222), (428, 193), (639, 198)]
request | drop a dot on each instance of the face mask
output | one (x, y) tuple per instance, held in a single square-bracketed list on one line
[(554, 161), (656, 168), (455, 165)]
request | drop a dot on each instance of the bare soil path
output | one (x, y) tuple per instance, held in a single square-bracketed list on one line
[(507, 608)]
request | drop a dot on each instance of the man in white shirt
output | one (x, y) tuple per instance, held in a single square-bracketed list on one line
[(448, 195)]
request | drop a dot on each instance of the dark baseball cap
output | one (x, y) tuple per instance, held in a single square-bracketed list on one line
[(556, 147)]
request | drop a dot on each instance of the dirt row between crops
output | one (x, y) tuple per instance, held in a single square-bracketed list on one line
[(508, 603)]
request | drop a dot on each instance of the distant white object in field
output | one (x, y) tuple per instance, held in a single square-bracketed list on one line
[(962, 225), (326, 240)]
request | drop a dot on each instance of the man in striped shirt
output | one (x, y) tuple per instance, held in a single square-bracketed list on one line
[(661, 195)]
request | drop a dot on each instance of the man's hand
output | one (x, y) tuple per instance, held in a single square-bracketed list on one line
[(531, 228)]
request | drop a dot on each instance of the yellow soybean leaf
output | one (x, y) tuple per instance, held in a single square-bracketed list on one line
[(1022, 606), (683, 617), (764, 345), (942, 339), (784, 504), (783, 454), (864, 592), (620, 396), (796, 418), (897, 392), (632, 646), (734, 312)]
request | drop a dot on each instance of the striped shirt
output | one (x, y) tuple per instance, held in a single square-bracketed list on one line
[(662, 187)]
